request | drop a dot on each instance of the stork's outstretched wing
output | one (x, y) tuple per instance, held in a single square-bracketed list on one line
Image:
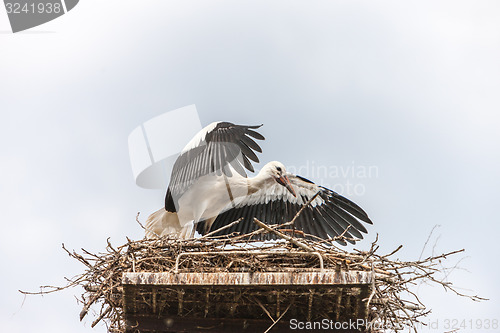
[(212, 151), (327, 216)]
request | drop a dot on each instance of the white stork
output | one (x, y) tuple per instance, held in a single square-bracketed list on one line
[(210, 188)]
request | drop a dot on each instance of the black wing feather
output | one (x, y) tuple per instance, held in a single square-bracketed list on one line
[(224, 145), (328, 216), (250, 143)]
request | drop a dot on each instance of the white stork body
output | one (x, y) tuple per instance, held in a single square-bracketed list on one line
[(206, 199), (209, 187)]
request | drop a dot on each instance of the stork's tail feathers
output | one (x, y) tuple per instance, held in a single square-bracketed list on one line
[(162, 223)]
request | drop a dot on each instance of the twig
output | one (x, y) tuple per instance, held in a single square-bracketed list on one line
[(143, 227), (427, 241), (222, 228), (281, 235), (277, 320), (303, 207)]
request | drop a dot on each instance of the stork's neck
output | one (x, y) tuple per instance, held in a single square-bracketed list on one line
[(258, 182)]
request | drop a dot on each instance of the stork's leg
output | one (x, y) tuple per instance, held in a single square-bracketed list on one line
[(202, 226), (208, 225), (193, 229), (186, 231)]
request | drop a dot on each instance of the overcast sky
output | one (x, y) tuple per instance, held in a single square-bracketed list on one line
[(410, 89)]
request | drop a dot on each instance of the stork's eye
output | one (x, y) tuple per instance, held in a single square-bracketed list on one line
[(278, 168)]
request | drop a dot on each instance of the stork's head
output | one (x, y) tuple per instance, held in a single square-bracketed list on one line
[(277, 171)]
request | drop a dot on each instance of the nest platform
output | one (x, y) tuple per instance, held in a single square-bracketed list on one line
[(233, 297)]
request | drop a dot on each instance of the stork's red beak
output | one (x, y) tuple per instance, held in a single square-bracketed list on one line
[(283, 180)]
